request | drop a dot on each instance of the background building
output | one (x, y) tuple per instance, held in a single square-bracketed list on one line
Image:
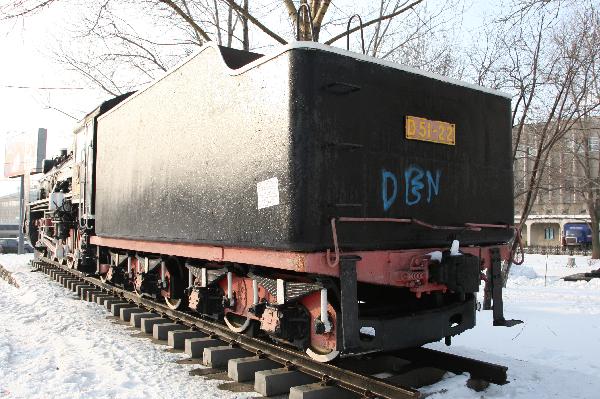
[(570, 176), (9, 215)]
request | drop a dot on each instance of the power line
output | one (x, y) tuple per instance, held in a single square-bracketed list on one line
[(41, 88), (62, 112)]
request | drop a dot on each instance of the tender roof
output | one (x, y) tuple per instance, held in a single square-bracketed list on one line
[(307, 45), (367, 58)]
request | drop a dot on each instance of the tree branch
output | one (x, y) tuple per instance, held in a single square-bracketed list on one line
[(320, 13), (187, 18), (30, 10), (373, 21), (291, 9), (187, 10), (256, 22)]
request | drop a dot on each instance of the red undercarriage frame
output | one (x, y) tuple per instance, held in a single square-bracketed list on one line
[(399, 268)]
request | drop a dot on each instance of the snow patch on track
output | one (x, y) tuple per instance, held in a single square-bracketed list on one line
[(554, 353), (54, 345)]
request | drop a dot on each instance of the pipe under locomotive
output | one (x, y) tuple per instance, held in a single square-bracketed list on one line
[(325, 199)]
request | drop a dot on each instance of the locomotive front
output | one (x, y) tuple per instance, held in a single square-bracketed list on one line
[(329, 201)]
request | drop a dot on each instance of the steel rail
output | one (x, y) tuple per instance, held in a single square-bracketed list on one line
[(7, 275), (365, 386), (478, 369)]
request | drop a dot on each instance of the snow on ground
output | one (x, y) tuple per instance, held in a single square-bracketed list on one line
[(77, 353), (53, 345), (555, 352)]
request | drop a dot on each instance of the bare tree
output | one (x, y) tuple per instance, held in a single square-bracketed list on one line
[(583, 178), (538, 54), (21, 8), (317, 10), (403, 39), (554, 97), (521, 10), (119, 54), (567, 83), (582, 144)]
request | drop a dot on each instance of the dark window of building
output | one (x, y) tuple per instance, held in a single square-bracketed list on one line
[(549, 233)]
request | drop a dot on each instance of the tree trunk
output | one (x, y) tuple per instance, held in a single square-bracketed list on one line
[(246, 38), (229, 27), (595, 236), (218, 24)]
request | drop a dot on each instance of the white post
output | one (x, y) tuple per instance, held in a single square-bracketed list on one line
[(229, 286), (204, 277), (254, 292), (324, 314), (280, 291), (97, 258), (21, 215)]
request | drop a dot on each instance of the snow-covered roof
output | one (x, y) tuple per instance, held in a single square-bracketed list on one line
[(307, 45), (374, 60)]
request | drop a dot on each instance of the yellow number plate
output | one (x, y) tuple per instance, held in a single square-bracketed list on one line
[(433, 131)]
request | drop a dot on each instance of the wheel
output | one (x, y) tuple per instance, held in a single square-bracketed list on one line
[(322, 347), (175, 284), (173, 303), (71, 262), (322, 356), (236, 323)]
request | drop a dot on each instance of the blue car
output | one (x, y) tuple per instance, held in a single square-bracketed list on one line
[(11, 245), (577, 235)]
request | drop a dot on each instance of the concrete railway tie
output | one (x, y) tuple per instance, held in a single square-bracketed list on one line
[(260, 366)]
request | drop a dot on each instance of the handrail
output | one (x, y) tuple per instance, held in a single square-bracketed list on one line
[(362, 36), (467, 226), (310, 19)]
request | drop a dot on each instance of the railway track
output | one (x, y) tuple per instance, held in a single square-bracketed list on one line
[(7, 276), (274, 369)]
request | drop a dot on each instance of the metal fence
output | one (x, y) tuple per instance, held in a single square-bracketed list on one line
[(557, 250)]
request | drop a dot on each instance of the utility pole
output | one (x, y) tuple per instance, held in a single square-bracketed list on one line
[(20, 249)]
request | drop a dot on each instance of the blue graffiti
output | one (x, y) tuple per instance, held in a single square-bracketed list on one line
[(388, 200), (416, 179), (434, 186), (413, 179)]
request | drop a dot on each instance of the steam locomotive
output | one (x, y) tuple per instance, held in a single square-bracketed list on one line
[(323, 199)]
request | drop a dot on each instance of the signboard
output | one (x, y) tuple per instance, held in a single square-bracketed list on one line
[(433, 131), (24, 154)]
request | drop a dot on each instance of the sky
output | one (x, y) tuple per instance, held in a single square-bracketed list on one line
[(27, 67), (37, 92)]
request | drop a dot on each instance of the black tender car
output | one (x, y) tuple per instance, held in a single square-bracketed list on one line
[(11, 245)]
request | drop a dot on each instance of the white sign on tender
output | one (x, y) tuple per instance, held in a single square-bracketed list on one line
[(268, 193)]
